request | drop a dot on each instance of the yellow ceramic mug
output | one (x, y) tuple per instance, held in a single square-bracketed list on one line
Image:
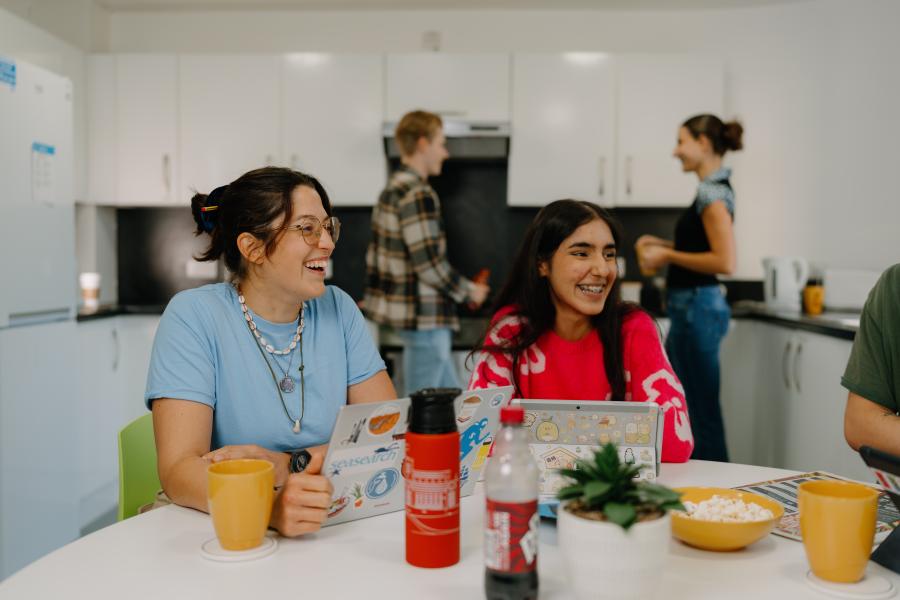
[(240, 494), (837, 521)]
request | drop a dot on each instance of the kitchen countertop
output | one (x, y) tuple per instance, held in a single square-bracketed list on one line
[(842, 325)]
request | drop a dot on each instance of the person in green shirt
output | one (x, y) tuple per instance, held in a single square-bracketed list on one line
[(873, 371)]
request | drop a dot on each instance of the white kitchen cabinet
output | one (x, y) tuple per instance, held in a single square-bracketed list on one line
[(563, 120), (112, 365), (38, 440), (474, 87), (816, 426), (133, 129), (229, 114), (146, 130), (333, 111), (101, 109), (782, 399), (739, 381), (136, 333), (101, 415), (655, 94)]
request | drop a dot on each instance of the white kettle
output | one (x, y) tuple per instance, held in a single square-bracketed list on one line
[(784, 282)]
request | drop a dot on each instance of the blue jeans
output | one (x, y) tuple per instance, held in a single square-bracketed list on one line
[(427, 359), (699, 318)]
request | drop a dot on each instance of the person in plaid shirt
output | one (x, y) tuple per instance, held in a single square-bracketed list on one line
[(411, 286)]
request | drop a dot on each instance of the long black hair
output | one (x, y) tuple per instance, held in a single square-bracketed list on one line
[(529, 292)]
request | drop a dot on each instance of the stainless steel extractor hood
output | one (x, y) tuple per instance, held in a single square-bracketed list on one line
[(465, 139)]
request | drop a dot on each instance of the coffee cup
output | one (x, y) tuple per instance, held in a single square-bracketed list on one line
[(90, 289), (837, 522), (240, 495)]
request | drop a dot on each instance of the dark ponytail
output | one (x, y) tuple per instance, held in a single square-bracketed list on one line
[(249, 204), (723, 136)]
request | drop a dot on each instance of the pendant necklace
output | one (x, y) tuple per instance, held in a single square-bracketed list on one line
[(286, 384)]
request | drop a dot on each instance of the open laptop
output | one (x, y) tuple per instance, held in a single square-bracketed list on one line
[(563, 431), (886, 468), (367, 447)]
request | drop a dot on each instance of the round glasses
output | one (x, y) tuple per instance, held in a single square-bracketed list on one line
[(311, 229)]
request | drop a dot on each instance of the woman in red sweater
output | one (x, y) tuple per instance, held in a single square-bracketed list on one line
[(558, 313)]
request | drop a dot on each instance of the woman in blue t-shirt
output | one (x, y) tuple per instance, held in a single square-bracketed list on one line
[(259, 367), (703, 248)]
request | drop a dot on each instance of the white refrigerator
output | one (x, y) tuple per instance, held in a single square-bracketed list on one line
[(38, 295)]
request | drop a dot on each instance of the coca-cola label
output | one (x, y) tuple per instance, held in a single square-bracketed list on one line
[(511, 536)]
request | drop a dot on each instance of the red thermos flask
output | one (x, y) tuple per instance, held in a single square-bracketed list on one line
[(431, 474)]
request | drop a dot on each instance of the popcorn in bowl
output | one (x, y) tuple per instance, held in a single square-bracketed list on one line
[(727, 510)]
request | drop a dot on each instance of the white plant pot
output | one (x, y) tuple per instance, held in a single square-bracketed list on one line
[(605, 561)]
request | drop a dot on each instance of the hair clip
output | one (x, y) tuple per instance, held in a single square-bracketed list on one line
[(209, 208)]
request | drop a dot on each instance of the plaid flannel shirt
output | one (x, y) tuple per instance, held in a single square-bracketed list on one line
[(411, 285)]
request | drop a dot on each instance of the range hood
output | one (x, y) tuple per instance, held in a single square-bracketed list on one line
[(466, 140)]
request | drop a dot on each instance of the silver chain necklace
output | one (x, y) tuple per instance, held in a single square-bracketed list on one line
[(286, 384)]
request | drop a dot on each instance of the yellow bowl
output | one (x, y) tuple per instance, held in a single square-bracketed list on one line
[(722, 536)]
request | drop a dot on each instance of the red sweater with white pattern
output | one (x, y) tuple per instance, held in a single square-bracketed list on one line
[(554, 368)]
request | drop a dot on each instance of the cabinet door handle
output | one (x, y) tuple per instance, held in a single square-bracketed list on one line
[(602, 168), (628, 164), (785, 377), (796, 362), (294, 161), (167, 173), (115, 337)]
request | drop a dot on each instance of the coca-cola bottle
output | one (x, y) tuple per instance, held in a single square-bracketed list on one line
[(511, 520)]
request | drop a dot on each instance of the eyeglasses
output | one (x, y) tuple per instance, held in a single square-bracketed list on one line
[(311, 229)]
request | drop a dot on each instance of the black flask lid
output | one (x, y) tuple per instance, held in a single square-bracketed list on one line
[(433, 410)]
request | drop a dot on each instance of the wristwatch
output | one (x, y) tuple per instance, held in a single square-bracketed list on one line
[(300, 460)]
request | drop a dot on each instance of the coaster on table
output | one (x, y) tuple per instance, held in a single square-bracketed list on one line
[(212, 550), (870, 587)]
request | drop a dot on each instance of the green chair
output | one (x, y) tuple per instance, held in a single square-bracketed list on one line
[(138, 478)]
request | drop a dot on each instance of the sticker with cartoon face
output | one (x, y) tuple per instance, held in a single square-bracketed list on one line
[(547, 431), (559, 458), (469, 406), (384, 419), (529, 419), (630, 433), (381, 483)]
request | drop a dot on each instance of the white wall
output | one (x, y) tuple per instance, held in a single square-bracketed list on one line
[(815, 83)]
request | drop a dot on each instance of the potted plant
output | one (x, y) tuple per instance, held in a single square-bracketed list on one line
[(613, 529)]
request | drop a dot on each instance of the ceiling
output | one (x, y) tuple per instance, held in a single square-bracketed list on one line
[(168, 5)]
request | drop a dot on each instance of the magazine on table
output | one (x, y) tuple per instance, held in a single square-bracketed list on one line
[(784, 491)]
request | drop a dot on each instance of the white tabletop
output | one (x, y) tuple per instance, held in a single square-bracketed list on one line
[(157, 555)]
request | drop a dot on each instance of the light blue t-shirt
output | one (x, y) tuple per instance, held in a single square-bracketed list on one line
[(204, 352)]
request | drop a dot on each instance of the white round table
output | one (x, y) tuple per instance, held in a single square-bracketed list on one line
[(157, 555)]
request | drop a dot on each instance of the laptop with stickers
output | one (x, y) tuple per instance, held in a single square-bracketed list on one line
[(562, 431), (367, 446)]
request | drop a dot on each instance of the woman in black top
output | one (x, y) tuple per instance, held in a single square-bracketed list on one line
[(703, 248)]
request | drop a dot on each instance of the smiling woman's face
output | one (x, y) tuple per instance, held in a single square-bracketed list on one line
[(582, 270), (295, 265)]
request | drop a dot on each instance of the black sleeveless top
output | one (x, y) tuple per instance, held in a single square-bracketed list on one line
[(690, 236)]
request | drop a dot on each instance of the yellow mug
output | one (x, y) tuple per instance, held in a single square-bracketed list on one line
[(240, 494), (837, 522)]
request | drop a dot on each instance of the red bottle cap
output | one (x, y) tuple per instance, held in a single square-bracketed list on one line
[(512, 414)]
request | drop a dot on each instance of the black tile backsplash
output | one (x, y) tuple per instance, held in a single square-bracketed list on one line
[(155, 244)]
